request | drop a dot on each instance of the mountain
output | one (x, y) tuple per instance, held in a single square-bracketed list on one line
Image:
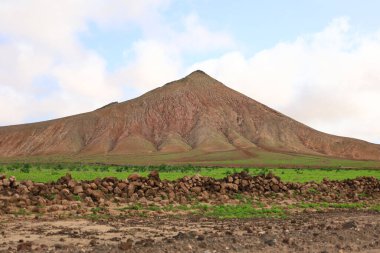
[(195, 113)]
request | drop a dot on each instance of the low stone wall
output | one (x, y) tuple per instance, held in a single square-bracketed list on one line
[(71, 193)]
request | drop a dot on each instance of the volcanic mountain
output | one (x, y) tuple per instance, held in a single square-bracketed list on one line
[(195, 113)]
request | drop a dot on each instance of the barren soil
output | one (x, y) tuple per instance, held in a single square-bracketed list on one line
[(194, 115), (332, 231)]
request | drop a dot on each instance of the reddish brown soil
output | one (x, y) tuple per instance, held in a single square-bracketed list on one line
[(334, 231), (196, 112)]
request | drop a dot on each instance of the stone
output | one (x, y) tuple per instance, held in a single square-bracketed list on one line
[(5, 182), (200, 237), (196, 189), (349, 225), (97, 195), (121, 186), (65, 193), (275, 188), (154, 175), (117, 190), (143, 201), (274, 180), (183, 200), (41, 201), (71, 183), (25, 246), (134, 177), (150, 192), (131, 189), (93, 242), (232, 186), (65, 179), (269, 240), (171, 195), (93, 186), (244, 183), (53, 208), (127, 245), (183, 187), (78, 189), (89, 201), (134, 197)]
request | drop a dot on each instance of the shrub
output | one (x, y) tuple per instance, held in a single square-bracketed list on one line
[(25, 168)]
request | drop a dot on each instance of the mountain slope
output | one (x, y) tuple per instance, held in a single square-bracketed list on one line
[(193, 113)]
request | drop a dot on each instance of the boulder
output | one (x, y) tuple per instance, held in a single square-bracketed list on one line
[(134, 177), (154, 175), (78, 189)]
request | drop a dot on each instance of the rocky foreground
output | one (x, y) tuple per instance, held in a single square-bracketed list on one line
[(68, 193), (334, 231), (139, 214)]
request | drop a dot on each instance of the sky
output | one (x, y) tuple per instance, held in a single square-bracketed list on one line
[(317, 61)]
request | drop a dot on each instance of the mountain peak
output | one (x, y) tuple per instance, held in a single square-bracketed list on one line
[(198, 74), (193, 113), (195, 79)]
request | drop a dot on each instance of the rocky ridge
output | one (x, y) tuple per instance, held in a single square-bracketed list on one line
[(69, 194)]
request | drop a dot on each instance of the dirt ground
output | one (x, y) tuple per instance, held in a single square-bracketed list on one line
[(329, 231)]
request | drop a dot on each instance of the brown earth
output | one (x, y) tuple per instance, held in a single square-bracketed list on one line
[(194, 113), (333, 231)]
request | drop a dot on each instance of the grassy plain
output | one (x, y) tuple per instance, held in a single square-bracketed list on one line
[(51, 172), (233, 158)]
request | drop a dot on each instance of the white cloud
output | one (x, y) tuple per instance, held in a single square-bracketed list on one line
[(42, 41), (159, 59), (21, 63), (196, 37), (154, 63), (328, 80)]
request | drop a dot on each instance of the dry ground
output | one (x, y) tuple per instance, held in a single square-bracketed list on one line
[(328, 231)]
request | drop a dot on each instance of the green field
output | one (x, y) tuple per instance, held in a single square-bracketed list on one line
[(234, 158), (51, 172)]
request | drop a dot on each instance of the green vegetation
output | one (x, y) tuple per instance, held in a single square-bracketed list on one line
[(244, 211), (241, 211), (331, 205), (248, 157), (136, 206), (376, 208), (51, 172), (217, 211), (96, 210), (21, 212)]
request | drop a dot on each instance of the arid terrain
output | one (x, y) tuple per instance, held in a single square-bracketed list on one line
[(239, 213), (104, 204), (330, 231), (113, 138), (193, 119)]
